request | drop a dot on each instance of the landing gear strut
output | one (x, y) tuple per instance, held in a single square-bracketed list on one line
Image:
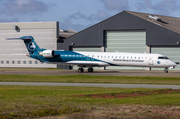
[(90, 69), (165, 70), (80, 70)]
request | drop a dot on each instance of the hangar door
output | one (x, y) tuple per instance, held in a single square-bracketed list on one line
[(87, 49), (125, 41), (172, 53)]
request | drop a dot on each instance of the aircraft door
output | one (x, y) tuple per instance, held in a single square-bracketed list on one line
[(151, 60), (104, 58)]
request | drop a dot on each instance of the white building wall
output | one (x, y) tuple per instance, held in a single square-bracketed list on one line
[(13, 52)]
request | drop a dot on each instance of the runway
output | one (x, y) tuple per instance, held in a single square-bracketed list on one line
[(28, 71), (93, 85)]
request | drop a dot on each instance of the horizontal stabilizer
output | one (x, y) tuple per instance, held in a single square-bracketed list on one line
[(12, 38), (27, 38)]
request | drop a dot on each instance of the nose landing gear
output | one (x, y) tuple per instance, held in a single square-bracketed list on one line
[(166, 70)]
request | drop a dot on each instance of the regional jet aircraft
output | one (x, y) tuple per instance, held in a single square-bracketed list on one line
[(96, 59)]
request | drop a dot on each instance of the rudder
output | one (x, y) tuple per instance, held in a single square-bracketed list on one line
[(31, 45)]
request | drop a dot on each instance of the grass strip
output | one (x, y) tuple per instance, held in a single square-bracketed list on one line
[(39, 101), (91, 79)]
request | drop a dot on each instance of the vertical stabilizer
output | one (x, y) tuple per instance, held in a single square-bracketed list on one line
[(31, 45)]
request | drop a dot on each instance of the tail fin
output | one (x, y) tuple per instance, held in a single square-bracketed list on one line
[(31, 45)]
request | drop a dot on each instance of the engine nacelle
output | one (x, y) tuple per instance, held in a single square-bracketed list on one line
[(47, 53)]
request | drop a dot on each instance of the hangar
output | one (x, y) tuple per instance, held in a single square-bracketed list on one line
[(125, 32), (13, 52), (129, 32)]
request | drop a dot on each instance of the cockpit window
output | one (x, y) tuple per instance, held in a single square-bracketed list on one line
[(163, 58)]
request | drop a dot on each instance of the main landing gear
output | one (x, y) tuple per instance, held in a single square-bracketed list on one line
[(90, 69), (80, 70), (166, 70)]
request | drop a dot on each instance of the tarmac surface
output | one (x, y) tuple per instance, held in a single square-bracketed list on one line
[(26, 71), (93, 85)]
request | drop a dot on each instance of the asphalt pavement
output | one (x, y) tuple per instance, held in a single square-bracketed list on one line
[(28, 71), (92, 85), (25, 71)]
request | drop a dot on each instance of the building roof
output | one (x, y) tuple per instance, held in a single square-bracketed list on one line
[(160, 30), (66, 33), (171, 23)]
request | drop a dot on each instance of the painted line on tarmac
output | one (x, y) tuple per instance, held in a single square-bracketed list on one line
[(92, 85)]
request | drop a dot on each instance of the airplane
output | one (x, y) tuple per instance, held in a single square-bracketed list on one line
[(95, 59)]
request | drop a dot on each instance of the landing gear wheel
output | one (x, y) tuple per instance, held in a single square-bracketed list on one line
[(165, 71), (90, 69), (80, 70)]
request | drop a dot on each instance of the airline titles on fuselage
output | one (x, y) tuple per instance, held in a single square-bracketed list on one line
[(124, 60)]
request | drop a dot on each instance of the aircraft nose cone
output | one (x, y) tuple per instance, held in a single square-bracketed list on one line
[(174, 64)]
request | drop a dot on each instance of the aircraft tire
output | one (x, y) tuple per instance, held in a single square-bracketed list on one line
[(165, 71), (80, 70), (90, 69)]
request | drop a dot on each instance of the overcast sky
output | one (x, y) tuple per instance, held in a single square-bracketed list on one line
[(80, 14)]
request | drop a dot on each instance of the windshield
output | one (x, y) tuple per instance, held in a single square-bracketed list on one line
[(163, 58)]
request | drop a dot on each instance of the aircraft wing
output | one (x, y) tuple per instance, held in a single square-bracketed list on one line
[(85, 63)]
